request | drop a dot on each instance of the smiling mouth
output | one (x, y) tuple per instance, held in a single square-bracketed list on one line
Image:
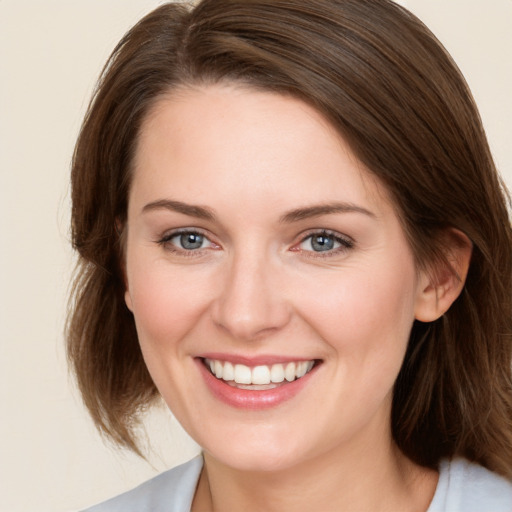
[(261, 377)]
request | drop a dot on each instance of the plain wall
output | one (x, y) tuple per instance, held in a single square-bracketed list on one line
[(51, 52)]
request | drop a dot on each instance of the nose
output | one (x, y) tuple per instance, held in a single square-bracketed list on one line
[(251, 302)]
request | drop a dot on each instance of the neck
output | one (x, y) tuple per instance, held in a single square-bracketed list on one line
[(342, 479)]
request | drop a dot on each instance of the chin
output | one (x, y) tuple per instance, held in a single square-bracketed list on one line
[(259, 454), (256, 462)]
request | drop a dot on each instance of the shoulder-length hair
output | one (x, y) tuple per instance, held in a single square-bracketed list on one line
[(395, 95)]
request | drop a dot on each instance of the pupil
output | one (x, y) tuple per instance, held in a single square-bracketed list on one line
[(322, 243), (191, 241)]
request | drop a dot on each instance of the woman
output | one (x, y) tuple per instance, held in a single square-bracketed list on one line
[(291, 228)]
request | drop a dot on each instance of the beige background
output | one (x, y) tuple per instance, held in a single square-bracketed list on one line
[(51, 52)]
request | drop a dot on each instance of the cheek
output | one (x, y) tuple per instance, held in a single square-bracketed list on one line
[(364, 309), (166, 304)]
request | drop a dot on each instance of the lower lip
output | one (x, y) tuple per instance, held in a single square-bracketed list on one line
[(253, 399)]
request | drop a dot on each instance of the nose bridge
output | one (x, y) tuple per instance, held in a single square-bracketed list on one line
[(250, 301)]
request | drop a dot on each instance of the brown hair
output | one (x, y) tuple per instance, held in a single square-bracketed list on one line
[(384, 81)]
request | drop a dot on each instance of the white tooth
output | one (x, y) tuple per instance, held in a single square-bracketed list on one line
[(242, 374), (277, 373), (229, 372), (300, 371), (260, 375), (289, 372), (309, 366), (218, 369), (211, 363)]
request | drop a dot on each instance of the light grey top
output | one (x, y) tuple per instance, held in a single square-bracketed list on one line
[(467, 487), (172, 491), (462, 487)]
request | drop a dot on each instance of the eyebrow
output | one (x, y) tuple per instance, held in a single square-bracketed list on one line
[(199, 212), (323, 209), (296, 215)]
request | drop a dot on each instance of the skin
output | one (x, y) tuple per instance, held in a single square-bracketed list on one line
[(256, 286)]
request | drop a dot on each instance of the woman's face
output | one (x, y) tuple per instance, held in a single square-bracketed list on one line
[(259, 247)]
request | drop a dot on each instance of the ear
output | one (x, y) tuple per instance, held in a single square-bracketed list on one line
[(444, 280), (121, 233), (128, 300)]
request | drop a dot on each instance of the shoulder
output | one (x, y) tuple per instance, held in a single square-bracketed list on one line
[(171, 491), (467, 487)]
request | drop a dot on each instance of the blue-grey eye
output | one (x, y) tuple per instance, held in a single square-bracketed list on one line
[(188, 240), (185, 241), (322, 242), (191, 241)]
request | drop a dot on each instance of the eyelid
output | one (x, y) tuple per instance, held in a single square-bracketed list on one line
[(164, 241), (345, 241), (167, 235)]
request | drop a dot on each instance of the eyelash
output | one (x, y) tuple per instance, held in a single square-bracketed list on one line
[(345, 243), (165, 242)]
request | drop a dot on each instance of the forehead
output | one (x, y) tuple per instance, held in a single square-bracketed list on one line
[(241, 145)]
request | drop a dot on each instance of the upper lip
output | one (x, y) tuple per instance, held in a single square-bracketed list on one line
[(264, 359)]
